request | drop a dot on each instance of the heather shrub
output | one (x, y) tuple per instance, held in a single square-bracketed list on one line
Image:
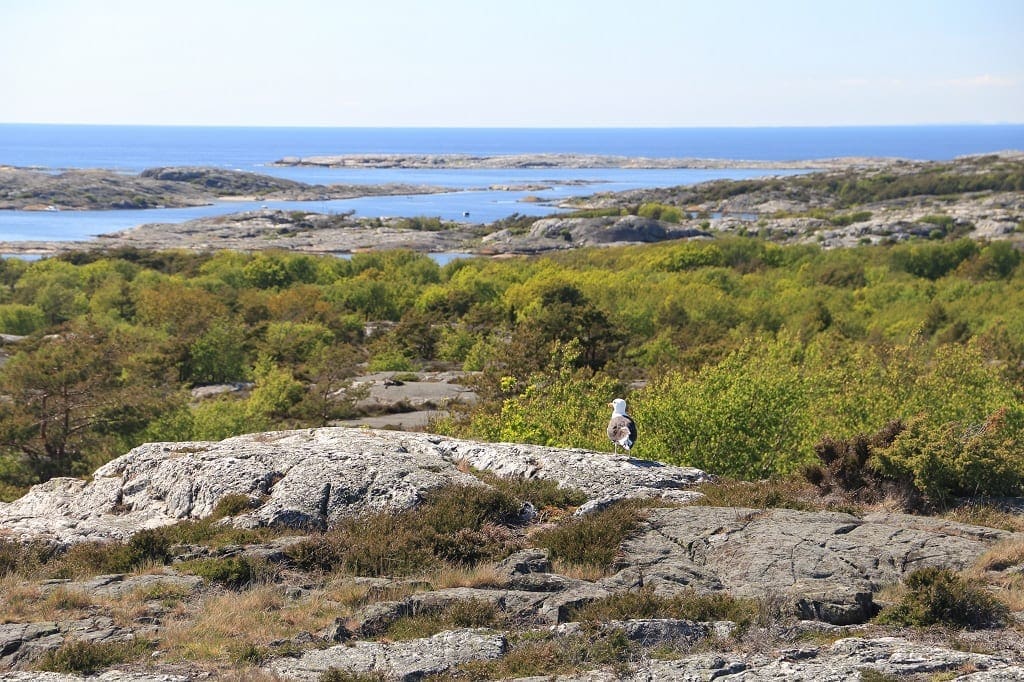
[(592, 539), (645, 603), (460, 524), (539, 492), (235, 572), (86, 657), (938, 596), (845, 468), (464, 613)]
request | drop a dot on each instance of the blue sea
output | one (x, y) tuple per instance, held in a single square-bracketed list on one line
[(131, 149)]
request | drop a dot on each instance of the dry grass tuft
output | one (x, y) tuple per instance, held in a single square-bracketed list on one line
[(210, 632), (785, 493), (1004, 555), (987, 515), (589, 572)]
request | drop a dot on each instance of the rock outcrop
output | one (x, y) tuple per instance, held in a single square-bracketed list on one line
[(823, 568), (310, 478), (826, 565)]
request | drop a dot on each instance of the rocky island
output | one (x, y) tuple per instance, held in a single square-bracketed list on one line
[(30, 189), (441, 161)]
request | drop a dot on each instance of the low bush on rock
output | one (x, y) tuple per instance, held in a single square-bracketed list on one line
[(235, 572), (23, 558), (338, 675), (543, 654), (464, 613), (645, 603), (924, 465), (539, 492), (938, 596), (86, 657), (785, 493), (460, 524), (846, 467), (593, 539), (958, 459)]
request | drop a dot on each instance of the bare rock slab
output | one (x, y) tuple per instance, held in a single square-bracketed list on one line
[(827, 564), (411, 660), (309, 478)]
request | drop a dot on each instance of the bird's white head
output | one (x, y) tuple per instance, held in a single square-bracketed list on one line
[(618, 406)]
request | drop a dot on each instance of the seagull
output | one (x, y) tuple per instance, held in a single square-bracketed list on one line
[(621, 428)]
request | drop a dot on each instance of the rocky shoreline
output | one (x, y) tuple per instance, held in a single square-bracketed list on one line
[(939, 200)]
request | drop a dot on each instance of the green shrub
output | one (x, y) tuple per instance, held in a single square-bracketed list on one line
[(938, 596), (391, 361), (668, 214), (957, 459), (20, 319), (849, 218), (932, 261), (746, 417)]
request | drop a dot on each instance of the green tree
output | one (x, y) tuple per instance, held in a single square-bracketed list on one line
[(74, 399), (218, 355), (330, 393)]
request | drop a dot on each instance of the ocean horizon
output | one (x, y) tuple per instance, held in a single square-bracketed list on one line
[(132, 148)]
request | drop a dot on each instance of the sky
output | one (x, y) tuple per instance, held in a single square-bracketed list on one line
[(515, 63)]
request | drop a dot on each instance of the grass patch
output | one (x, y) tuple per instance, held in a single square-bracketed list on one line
[(644, 603), (338, 675), (235, 572), (464, 613), (237, 627), (1004, 555), (938, 596), (988, 515), (85, 657), (535, 654), (593, 539), (785, 493)]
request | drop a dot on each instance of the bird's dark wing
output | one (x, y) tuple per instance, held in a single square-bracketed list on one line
[(622, 430)]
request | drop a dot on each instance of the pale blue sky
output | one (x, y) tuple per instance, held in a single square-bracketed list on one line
[(512, 63)]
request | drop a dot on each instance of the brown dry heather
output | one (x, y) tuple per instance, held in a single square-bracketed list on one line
[(594, 539)]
